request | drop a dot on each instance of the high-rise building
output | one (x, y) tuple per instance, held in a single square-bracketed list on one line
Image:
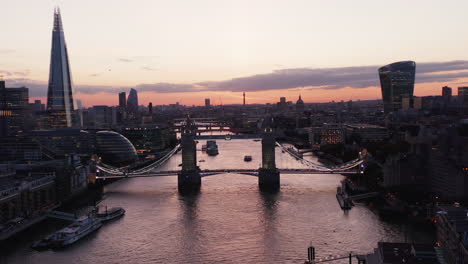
[(37, 106), (244, 98), (207, 102), (463, 96), (79, 104), (122, 100), (417, 103), (13, 107), (60, 101), (397, 81), (150, 108), (132, 101), (446, 92)]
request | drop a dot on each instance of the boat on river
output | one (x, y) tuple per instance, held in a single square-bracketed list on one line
[(110, 214), (74, 232), (247, 158)]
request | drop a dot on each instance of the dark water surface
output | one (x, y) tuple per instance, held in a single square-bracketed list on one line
[(229, 221)]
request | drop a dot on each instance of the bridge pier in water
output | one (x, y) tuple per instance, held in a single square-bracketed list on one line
[(189, 179), (268, 174)]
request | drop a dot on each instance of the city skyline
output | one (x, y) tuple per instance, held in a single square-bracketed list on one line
[(222, 61)]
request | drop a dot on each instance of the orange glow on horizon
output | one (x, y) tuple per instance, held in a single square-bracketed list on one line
[(309, 95)]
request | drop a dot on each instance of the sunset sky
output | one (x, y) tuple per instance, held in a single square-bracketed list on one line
[(185, 51)]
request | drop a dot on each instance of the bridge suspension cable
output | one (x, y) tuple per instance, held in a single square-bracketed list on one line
[(341, 167), (148, 168)]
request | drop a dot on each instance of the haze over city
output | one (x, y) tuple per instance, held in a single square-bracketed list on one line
[(185, 51)]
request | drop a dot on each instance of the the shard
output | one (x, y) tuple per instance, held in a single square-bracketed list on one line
[(60, 103)]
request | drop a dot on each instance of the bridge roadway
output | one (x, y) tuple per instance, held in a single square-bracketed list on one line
[(252, 172)]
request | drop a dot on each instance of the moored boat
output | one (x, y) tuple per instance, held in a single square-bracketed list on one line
[(110, 214), (74, 232)]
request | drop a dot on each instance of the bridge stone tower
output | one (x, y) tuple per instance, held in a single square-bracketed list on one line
[(268, 174), (189, 179)]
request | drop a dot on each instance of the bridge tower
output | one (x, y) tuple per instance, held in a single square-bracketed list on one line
[(189, 179), (268, 174)]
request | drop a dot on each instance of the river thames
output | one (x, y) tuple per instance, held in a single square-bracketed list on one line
[(229, 221)]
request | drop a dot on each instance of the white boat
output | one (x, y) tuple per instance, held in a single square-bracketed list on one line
[(110, 214), (74, 232)]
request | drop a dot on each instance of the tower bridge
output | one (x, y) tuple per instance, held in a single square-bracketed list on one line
[(190, 175)]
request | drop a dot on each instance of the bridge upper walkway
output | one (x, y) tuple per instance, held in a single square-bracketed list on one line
[(351, 167)]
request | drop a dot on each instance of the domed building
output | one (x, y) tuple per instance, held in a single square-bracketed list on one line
[(300, 105), (115, 149)]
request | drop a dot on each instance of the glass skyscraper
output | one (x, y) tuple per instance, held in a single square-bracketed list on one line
[(397, 82), (132, 102), (60, 103)]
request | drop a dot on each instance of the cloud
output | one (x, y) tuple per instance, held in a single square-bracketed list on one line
[(148, 68), (14, 74), (297, 78), (168, 88), (125, 60), (335, 78), (36, 88)]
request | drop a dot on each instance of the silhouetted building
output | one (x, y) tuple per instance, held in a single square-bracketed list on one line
[(300, 105), (446, 92), (122, 100), (13, 107), (37, 106), (132, 101), (452, 230), (397, 81), (463, 96), (207, 102), (244, 98), (150, 108), (60, 103), (115, 149), (104, 116), (282, 105), (150, 138)]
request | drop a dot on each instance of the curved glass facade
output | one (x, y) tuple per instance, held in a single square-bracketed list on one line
[(397, 81), (115, 149), (60, 103)]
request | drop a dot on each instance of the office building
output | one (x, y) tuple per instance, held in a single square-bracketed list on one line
[(13, 107), (397, 81), (463, 97), (132, 101), (122, 100), (446, 92), (207, 102), (150, 108), (60, 101)]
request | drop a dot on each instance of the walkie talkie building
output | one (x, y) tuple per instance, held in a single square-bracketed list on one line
[(60, 103), (397, 81)]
